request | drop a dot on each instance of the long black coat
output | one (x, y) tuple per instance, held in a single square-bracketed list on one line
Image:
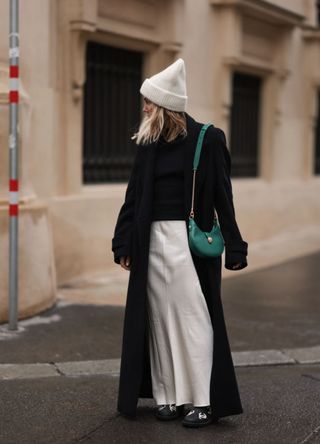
[(213, 189)]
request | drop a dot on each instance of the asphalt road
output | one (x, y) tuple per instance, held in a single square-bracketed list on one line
[(274, 308)]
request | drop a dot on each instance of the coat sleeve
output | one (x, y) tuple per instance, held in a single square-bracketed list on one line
[(122, 238), (236, 248)]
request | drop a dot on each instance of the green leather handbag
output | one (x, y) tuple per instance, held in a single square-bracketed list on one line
[(203, 243)]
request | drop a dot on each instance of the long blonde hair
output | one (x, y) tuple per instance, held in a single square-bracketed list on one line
[(162, 121)]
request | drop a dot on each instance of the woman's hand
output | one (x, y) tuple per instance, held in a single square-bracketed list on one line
[(125, 262)]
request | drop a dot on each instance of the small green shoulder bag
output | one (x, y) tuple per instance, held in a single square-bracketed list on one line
[(203, 243)]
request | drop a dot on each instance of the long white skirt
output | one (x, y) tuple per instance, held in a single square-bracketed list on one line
[(180, 333)]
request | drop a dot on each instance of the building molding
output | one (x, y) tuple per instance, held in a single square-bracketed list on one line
[(264, 10), (311, 34), (249, 65)]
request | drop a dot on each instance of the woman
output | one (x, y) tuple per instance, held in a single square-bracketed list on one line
[(175, 346)]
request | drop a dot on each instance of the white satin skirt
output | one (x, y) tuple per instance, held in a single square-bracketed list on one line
[(180, 333)]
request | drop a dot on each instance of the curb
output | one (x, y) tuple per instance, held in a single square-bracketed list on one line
[(111, 367)]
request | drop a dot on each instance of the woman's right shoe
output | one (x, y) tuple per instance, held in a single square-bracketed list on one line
[(198, 417), (165, 412)]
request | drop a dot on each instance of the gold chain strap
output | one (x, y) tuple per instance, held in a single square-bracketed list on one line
[(192, 199), (193, 187)]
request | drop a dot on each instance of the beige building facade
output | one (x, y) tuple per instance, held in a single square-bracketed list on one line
[(66, 223)]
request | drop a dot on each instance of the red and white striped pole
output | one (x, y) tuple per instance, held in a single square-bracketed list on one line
[(13, 168)]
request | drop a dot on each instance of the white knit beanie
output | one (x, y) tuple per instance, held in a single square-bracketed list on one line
[(168, 87)]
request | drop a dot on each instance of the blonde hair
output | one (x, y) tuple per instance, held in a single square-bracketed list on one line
[(162, 121)]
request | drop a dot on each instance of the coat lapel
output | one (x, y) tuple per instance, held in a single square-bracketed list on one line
[(193, 129), (148, 180)]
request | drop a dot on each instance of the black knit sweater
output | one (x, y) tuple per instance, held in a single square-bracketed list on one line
[(168, 201)]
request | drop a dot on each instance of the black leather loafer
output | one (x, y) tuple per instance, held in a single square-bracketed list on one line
[(165, 412), (198, 417)]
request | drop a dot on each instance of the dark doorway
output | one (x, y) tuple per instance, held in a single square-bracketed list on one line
[(244, 142), (112, 110)]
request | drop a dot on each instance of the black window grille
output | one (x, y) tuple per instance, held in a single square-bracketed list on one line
[(244, 141), (111, 112), (317, 140)]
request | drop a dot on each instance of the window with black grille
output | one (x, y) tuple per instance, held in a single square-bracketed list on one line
[(112, 111), (317, 139), (244, 125)]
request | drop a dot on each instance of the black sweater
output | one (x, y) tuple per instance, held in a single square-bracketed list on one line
[(168, 201)]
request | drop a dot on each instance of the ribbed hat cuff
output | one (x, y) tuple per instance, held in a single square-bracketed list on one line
[(162, 97)]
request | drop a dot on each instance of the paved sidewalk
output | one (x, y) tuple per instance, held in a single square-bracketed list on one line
[(280, 406), (273, 251), (59, 371)]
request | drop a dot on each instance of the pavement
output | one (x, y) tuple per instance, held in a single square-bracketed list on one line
[(59, 371)]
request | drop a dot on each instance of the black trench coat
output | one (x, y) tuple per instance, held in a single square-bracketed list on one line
[(213, 189)]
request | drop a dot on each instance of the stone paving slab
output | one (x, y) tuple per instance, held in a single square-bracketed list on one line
[(25, 371), (108, 366), (307, 355), (112, 366), (261, 357)]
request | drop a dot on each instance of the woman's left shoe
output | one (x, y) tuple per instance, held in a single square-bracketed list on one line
[(198, 417), (166, 412)]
